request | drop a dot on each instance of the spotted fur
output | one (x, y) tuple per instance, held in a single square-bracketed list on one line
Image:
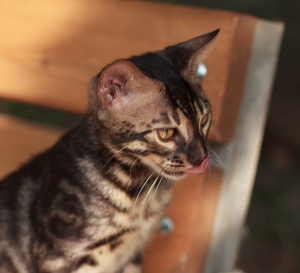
[(90, 203)]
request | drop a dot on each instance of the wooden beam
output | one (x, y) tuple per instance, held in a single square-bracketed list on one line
[(50, 49), (20, 141), (242, 154)]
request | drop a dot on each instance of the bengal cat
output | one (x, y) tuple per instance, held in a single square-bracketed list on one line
[(89, 203)]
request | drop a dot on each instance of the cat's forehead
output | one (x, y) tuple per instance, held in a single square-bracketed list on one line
[(156, 67), (177, 91)]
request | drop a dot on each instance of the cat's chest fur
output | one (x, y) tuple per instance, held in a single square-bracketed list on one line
[(113, 248), (126, 233), (114, 231), (111, 256)]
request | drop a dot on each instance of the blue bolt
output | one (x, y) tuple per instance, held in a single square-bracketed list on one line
[(202, 71), (166, 225)]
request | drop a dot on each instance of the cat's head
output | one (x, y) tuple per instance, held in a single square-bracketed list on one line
[(153, 108)]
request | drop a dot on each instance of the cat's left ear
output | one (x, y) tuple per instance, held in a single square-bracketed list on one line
[(187, 56), (123, 88)]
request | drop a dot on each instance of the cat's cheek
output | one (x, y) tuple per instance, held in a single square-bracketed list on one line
[(138, 145), (154, 162), (170, 147)]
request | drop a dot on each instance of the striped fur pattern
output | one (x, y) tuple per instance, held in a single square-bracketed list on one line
[(90, 203)]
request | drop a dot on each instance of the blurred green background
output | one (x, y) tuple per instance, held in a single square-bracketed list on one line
[(272, 240)]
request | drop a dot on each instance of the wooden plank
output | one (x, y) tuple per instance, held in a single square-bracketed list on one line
[(242, 154), (19, 141), (50, 49), (229, 105), (192, 211)]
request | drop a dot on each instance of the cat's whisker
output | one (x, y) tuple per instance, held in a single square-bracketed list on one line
[(123, 163), (235, 162), (217, 158), (136, 199), (112, 157), (161, 178), (132, 167), (160, 174), (153, 184), (141, 184)]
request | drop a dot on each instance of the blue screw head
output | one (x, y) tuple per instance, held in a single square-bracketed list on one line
[(201, 71), (166, 225)]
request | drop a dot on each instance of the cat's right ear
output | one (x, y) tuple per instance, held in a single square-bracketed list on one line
[(187, 56)]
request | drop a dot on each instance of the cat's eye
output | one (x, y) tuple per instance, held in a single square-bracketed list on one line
[(204, 119), (166, 134)]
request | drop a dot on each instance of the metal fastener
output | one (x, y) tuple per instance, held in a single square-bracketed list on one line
[(201, 71), (166, 225)]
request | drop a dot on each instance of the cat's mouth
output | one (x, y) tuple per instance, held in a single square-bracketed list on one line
[(178, 174), (171, 174), (175, 173), (200, 168)]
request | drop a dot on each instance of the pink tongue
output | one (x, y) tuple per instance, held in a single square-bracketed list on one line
[(201, 168)]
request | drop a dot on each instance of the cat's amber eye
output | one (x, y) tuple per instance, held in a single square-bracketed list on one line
[(165, 134), (204, 119)]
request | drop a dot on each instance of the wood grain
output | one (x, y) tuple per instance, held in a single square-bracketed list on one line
[(50, 49), (19, 141)]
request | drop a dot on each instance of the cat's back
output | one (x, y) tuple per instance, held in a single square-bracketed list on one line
[(17, 193)]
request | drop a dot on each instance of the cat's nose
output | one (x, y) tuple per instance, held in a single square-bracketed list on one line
[(196, 152), (195, 162), (196, 156), (201, 167)]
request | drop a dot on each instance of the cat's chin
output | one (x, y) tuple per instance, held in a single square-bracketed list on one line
[(169, 174)]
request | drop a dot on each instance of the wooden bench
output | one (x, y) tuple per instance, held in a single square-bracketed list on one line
[(50, 49)]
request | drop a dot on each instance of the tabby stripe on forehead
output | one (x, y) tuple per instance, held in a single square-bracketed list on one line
[(193, 107), (200, 106), (163, 119), (176, 117), (205, 101), (109, 239)]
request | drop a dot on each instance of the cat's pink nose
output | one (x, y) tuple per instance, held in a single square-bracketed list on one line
[(200, 168)]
